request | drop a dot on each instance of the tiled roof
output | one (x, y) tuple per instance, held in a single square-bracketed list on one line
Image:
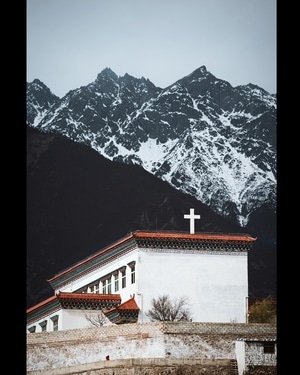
[(128, 305), (88, 297), (127, 312), (88, 301)]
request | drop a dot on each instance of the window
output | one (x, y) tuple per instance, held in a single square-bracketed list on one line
[(269, 347), (55, 322), (32, 329), (116, 282), (123, 272), (133, 274), (132, 268), (104, 286), (44, 325), (95, 288), (109, 285)]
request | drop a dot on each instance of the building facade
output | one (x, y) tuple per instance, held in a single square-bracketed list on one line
[(120, 281)]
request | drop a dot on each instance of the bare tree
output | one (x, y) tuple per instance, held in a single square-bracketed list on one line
[(166, 309), (98, 320)]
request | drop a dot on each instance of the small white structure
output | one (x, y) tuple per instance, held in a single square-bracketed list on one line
[(255, 354), (210, 269)]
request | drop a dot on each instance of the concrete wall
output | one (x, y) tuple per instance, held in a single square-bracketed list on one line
[(161, 340)]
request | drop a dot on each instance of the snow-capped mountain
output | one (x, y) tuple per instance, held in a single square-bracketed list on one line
[(201, 135)]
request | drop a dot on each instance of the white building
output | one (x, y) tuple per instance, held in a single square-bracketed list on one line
[(210, 269)]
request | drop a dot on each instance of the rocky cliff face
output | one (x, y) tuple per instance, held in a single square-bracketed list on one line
[(202, 136)]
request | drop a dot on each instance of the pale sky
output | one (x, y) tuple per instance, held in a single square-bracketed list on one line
[(69, 42)]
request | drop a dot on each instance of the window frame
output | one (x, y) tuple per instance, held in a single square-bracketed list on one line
[(43, 325), (269, 347), (116, 282), (54, 322), (123, 278)]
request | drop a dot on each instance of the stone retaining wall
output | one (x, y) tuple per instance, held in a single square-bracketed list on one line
[(63, 350), (145, 366)]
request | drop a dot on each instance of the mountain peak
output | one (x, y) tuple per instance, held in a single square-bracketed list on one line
[(202, 71), (197, 73), (39, 85), (36, 81), (107, 73)]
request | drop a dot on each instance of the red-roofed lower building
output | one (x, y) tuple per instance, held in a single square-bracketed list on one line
[(126, 312), (121, 280)]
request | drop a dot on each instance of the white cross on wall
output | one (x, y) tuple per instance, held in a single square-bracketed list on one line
[(192, 218)]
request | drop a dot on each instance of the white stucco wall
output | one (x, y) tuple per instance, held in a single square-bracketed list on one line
[(72, 319), (216, 285), (68, 319)]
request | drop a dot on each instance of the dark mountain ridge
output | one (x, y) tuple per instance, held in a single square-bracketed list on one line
[(78, 202)]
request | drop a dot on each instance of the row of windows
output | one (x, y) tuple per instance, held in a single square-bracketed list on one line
[(110, 283), (43, 325)]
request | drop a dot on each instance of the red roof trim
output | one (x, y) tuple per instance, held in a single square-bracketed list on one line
[(41, 304), (127, 305), (88, 296), (196, 236)]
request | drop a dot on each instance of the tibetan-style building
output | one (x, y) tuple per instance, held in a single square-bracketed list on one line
[(119, 281)]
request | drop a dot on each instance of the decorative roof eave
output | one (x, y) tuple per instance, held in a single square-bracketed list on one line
[(88, 301), (212, 242), (123, 317), (140, 234), (88, 296), (127, 312), (78, 301)]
